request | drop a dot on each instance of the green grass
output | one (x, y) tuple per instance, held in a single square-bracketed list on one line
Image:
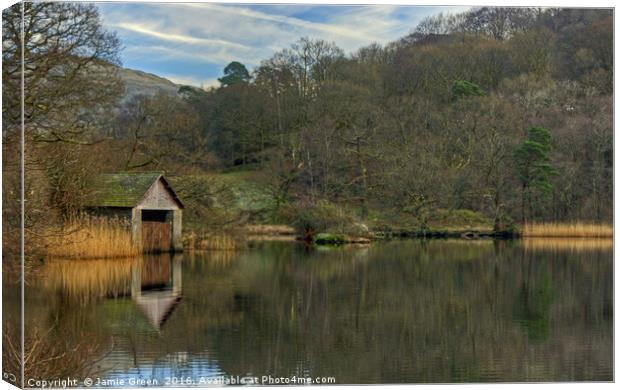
[(459, 220), (212, 198), (241, 193), (438, 220), (246, 194)]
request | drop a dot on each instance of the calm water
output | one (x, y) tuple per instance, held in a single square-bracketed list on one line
[(411, 311)]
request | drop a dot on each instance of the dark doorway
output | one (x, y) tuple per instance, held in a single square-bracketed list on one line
[(156, 230)]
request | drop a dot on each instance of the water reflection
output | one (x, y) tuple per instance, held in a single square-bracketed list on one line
[(156, 287), (412, 311), (563, 244)]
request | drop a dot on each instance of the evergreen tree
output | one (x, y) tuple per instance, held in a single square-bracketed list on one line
[(234, 73), (462, 88), (533, 166)]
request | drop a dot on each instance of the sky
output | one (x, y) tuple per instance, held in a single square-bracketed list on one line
[(191, 43)]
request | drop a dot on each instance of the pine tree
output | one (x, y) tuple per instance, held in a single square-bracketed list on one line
[(533, 164)]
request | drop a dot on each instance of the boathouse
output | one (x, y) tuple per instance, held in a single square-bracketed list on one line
[(147, 201)]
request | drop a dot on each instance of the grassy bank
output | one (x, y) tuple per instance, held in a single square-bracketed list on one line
[(568, 230), (239, 202), (89, 237)]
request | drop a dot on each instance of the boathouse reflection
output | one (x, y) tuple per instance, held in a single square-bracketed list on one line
[(156, 287)]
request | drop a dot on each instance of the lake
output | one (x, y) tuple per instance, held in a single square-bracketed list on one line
[(410, 311)]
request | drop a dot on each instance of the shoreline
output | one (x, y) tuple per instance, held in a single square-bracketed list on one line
[(284, 233)]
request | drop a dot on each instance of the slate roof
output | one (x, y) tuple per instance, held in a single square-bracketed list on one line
[(124, 189)]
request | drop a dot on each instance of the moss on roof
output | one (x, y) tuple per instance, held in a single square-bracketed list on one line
[(121, 189)]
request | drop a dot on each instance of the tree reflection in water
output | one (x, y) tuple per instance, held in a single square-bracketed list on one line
[(410, 311)]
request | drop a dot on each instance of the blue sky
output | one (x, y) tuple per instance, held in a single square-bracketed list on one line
[(191, 43)]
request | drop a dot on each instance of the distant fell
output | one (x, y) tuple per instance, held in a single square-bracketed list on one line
[(138, 82)]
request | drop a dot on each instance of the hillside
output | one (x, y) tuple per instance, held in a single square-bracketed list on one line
[(498, 117), (141, 83)]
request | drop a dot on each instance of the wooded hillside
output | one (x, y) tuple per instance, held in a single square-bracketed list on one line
[(502, 113)]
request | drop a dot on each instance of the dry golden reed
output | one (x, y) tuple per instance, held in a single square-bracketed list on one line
[(215, 241), (574, 244), (88, 237), (568, 230), (269, 230)]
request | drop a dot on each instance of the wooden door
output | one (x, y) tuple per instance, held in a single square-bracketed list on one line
[(156, 236)]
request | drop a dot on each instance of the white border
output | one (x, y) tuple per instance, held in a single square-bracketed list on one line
[(541, 3)]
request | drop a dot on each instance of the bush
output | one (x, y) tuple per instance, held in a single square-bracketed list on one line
[(322, 216)]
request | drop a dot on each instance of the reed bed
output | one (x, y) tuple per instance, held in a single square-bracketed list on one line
[(88, 237), (568, 230), (215, 241), (269, 230), (575, 244)]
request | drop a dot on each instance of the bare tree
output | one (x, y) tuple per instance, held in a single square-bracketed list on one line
[(70, 78), (68, 72)]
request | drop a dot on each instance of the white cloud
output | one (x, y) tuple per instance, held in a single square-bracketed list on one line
[(146, 30), (160, 52), (247, 13), (206, 33), (214, 82), (189, 80)]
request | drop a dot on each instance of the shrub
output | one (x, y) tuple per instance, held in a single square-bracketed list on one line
[(322, 216)]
